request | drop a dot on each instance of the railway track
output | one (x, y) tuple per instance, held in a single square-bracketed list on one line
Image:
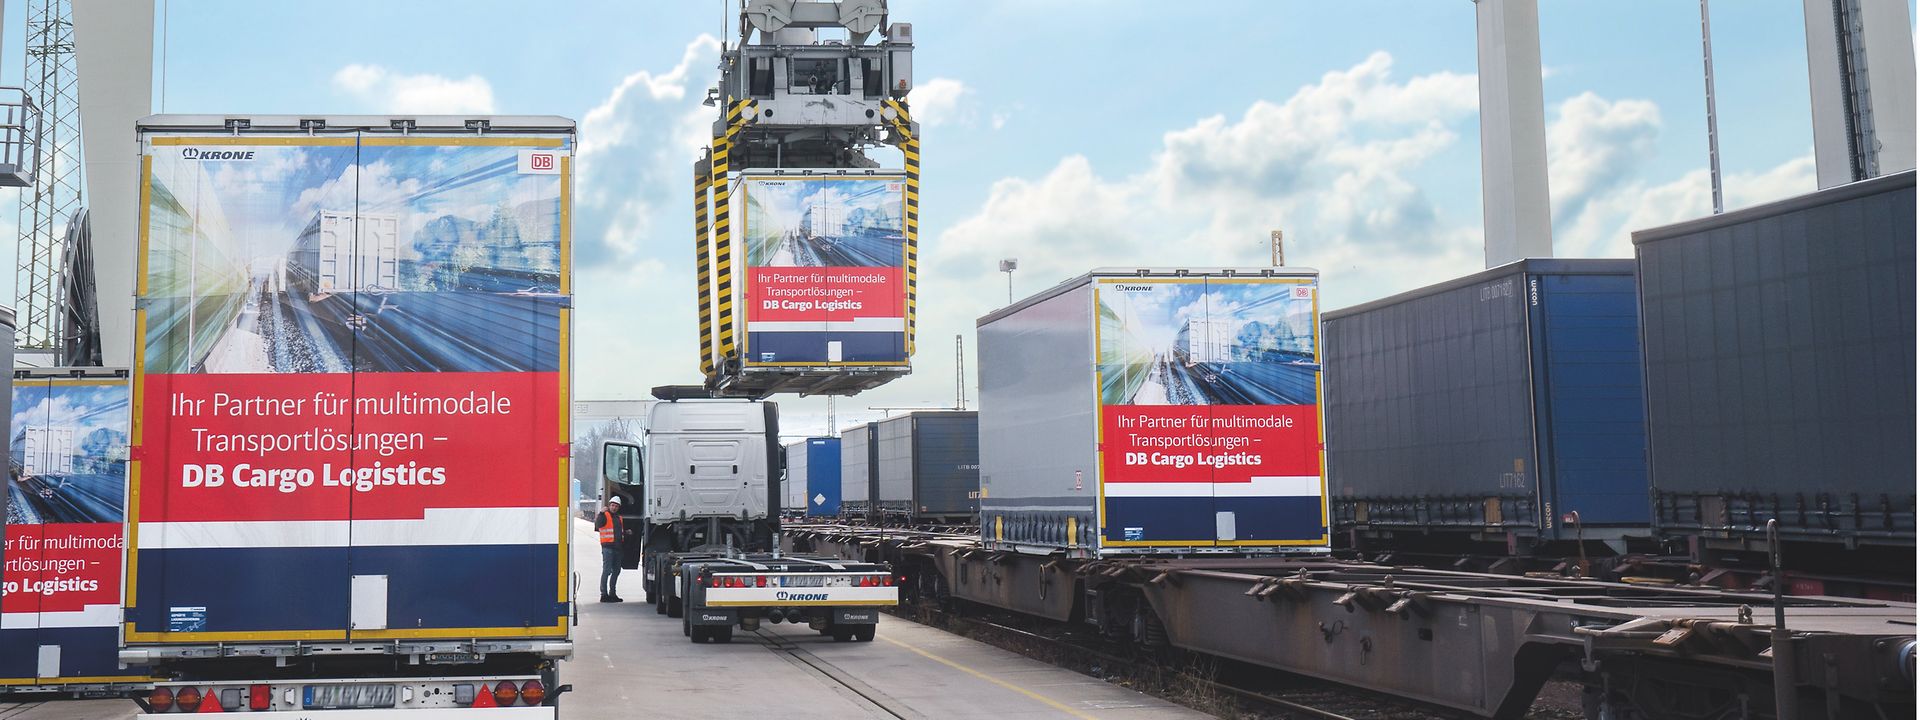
[(1221, 687)]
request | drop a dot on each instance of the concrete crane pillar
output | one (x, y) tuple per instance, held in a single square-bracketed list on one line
[(1513, 132)]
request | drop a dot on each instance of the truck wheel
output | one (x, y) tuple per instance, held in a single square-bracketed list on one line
[(864, 633)]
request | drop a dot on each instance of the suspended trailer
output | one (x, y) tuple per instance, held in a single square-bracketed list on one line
[(806, 272)]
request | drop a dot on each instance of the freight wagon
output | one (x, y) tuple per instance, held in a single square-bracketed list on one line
[(1780, 377), (321, 513), (1101, 434), (65, 526), (1496, 411), (859, 472), (813, 477), (928, 466)]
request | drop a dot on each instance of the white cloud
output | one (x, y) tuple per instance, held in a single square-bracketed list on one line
[(1328, 165), (1596, 150), (939, 101), (423, 94)]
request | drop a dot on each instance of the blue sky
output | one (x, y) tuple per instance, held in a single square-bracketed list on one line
[(1069, 134)]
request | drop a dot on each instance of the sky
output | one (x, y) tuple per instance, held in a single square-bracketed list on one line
[(1068, 134)]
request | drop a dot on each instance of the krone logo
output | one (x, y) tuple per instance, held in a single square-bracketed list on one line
[(198, 154)]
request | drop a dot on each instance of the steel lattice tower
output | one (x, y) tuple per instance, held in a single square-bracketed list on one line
[(46, 208)]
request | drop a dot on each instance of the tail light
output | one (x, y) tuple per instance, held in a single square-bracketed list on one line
[(160, 699), (887, 581), (533, 693), (188, 699), (759, 581), (714, 582), (505, 693), (259, 697)]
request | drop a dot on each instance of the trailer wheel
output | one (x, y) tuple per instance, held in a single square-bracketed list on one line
[(673, 607), (686, 627), (842, 634), (864, 633), (647, 592), (720, 634)]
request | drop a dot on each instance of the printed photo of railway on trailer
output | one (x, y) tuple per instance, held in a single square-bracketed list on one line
[(826, 269), (68, 454), (335, 254), (1215, 343)]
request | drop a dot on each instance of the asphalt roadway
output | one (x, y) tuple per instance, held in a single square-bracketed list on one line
[(630, 662)]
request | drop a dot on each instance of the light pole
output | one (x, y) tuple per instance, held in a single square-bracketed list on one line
[(1008, 266)]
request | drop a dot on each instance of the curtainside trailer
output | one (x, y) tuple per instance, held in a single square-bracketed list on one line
[(859, 477), (928, 467), (1502, 408), (1102, 433), (348, 477), (1780, 376), (813, 476), (65, 528)]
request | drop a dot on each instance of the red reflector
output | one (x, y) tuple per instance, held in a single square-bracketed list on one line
[(484, 698), (259, 697), (210, 703), (161, 699), (505, 693), (189, 699), (533, 692)]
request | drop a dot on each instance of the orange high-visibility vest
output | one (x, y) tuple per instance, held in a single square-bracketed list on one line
[(607, 529)]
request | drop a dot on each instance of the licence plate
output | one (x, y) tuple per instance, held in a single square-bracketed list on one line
[(349, 696), (816, 581)]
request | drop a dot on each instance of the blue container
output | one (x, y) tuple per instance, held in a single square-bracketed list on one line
[(814, 464), (1498, 403)]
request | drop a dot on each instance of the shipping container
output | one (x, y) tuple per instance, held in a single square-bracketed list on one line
[(1101, 433), (385, 460), (1780, 369), (813, 476), (928, 467), (1494, 406), (859, 465), (64, 529), (825, 278)]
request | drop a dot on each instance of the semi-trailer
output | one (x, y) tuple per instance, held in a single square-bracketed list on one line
[(1501, 410), (701, 504), (927, 467), (1780, 380), (1101, 434), (813, 477), (352, 500), (65, 529), (859, 472)]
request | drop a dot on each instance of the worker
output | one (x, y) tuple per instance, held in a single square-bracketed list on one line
[(611, 531)]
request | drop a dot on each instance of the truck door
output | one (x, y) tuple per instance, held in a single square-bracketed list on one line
[(623, 475), (457, 310)]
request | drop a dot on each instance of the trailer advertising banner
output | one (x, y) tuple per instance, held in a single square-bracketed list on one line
[(60, 614), (826, 277), (352, 386), (1209, 411)]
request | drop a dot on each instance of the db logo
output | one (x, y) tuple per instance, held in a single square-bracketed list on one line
[(540, 161), (1303, 293)]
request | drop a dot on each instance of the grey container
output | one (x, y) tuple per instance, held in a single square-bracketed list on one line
[(928, 466), (1780, 368), (1489, 407), (793, 483), (858, 464)]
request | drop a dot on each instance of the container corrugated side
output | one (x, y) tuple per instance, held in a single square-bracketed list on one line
[(1780, 367), (856, 469)]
